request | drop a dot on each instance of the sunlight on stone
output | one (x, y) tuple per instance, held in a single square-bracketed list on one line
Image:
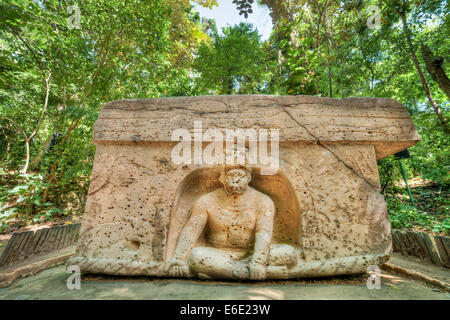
[(266, 294)]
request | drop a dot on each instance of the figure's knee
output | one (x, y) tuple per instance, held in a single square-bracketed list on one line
[(283, 255), (202, 259), (197, 255), (209, 262)]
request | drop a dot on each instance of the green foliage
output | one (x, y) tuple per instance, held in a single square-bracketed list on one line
[(431, 156), (327, 48), (389, 171), (54, 80), (407, 217), (137, 49), (20, 199), (234, 62)]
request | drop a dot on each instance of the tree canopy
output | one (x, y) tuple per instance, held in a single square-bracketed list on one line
[(232, 62)]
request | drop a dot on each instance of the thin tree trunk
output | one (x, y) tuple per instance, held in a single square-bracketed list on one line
[(37, 159), (55, 164), (47, 92), (47, 89), (328, 35), (103, 53), (434, 68), (329, 72), (27, 161), (435, 107)]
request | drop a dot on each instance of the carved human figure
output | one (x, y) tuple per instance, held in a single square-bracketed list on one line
[(237, 222)]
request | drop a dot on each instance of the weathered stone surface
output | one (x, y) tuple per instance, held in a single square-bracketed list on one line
[(383, 123), (327, 205)]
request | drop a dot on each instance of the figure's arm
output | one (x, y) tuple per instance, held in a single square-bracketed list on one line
[(263, 237), (191, 231), (263, 233)]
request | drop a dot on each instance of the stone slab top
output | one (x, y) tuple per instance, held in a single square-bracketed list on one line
[(382, 122)]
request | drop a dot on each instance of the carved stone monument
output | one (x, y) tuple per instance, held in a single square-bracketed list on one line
[(317, 212)]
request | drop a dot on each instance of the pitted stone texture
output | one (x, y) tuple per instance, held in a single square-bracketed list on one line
[(382, 122), (326, 193)]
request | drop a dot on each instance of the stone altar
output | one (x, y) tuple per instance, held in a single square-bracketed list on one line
[(320, 213)]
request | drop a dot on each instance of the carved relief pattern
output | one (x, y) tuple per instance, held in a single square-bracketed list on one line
[(328, 215)]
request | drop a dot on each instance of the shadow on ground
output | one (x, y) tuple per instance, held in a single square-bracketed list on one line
[(52, 284)]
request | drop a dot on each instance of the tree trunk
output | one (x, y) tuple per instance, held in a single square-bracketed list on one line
[(412, 51), (27, 160), (54, 167), (434, 68), (47, 92), (37, 159), (330, 79)]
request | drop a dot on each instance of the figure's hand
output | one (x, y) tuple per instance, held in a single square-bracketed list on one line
[(257, 271), (177, 268)]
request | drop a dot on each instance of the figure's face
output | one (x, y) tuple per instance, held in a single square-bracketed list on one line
[(236, 181)]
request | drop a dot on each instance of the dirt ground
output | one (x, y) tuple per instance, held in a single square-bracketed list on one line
[(52, 284), (421, 266)]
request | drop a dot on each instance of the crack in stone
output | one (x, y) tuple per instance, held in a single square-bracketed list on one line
[(309, 191), (282, 107)]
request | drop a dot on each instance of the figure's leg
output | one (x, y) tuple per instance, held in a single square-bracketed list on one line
[(215, 263), (281, 258), (208, 262), (282, 255)]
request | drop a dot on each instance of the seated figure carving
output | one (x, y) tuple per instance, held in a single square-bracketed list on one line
[(237, 222)]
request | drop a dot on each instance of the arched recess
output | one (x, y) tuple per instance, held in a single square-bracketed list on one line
[(287, 220)]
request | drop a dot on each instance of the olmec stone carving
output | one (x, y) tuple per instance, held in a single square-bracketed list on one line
[(238, 225), (321, 213)]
